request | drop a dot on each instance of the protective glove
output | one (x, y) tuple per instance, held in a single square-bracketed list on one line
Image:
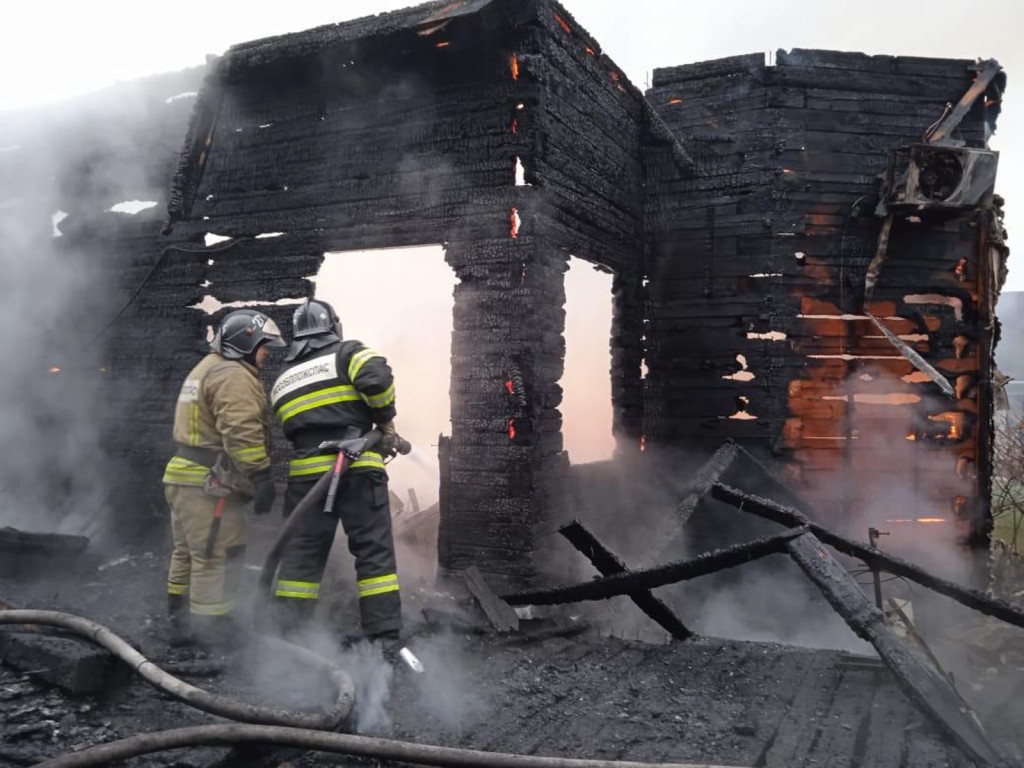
[(263, 498), (389, 441)]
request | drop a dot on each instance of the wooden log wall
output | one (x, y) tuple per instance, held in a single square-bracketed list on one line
[(590, 167), (96, 351), (757, 267)]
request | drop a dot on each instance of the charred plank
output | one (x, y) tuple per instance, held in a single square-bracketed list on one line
[(609, 565)]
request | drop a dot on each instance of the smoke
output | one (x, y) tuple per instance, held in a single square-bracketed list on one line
[(62, 170), (445, 692), (50, 391), (372, 676), (411, 326)]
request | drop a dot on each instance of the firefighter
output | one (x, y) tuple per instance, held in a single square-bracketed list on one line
[(221, 468), (335, 389)]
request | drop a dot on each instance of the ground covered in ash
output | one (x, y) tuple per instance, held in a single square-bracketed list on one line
[(566, 691)]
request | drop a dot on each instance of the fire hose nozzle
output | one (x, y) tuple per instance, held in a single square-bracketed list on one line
[(402, 446), (410, 659)]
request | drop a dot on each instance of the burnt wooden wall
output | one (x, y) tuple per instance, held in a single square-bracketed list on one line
[(112, 345), (407, 129), (757, 269)]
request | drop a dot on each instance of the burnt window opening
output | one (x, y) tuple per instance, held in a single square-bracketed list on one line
[(586, 381), (399, 302)]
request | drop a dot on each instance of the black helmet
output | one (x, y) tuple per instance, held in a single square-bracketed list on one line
[(315, 325), (315, 318), (243, 331)]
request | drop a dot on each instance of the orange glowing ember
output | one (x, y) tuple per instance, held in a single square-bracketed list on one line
[(515, 221), (676, 100), (515, 125), (911, 437), (54, 369), (515, 67), (509, 387), (643, 443), (511, 429), (442, 44), (922, 520), (591, 51), (955, 420), (562, 24)]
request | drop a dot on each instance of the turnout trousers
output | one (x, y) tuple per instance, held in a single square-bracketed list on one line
[(362, 507), (211, 583)]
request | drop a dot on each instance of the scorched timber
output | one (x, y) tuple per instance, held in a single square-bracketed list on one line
[(926, 686), (793, 518), (650, 578), (609, 565)]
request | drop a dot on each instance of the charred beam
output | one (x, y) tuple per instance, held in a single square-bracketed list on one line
[(609, 565), (650, 578), (791, 518), (984, 78), (498, 612), (924, 685)]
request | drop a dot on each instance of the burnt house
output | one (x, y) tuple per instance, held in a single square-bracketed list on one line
[(734, 204)]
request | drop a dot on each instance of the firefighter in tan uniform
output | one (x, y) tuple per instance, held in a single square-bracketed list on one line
[(222, 430)]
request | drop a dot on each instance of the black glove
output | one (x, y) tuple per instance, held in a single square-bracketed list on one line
[(263, 497), (389, 437)]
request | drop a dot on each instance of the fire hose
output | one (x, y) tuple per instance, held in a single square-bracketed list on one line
[(212, 703), (361, 746)]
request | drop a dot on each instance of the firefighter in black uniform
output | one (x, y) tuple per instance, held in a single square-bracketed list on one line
[(332, 390)]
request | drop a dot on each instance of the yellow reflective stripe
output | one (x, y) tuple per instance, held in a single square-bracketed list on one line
[(357, 361), (193, 424), (329, 396), (186, 465), (315, 465), (378, 585), (304, 590), (211, 609), (377, 591), (373, 580), (387, 397), (369, 459), (181, 471), (174, 588), (251, 455)]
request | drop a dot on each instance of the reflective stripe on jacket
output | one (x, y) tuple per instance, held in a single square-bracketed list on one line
[(345, 385), (221, 407)]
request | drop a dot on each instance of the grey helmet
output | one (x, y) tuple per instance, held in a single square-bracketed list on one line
[(243, 331), (315, 325)]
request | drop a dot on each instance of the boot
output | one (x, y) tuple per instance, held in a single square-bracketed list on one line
[(390, 643), (180, 633), (218, 635), (291, 617)]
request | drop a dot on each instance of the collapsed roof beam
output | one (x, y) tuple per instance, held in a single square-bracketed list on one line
[(649, 578), (608, 564), (920, 680), (792, 518)]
